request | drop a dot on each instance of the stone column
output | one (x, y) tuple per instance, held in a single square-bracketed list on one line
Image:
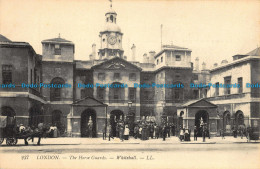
[(69, 121)]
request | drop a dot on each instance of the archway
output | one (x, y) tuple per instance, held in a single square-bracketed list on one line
[(239, 118), (88, 123), (201, 116), (57, 120), (35, 116), (7, 111), (227, 121), (115, 115)]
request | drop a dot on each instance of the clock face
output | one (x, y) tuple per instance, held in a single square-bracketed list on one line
[(112, 40)]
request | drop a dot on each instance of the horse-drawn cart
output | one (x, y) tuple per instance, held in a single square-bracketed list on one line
[(9, 131)]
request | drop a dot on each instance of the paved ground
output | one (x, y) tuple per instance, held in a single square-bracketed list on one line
[(97, 153)]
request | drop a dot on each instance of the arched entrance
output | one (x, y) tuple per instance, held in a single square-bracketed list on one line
[(35, 116), (201, 117), (7, 111), (239, 119), (115, 115), (227, 121), (88, 123), (57, 121)]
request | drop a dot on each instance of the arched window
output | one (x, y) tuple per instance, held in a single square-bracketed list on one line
[(7, 111), (111, 18), (56, 93)]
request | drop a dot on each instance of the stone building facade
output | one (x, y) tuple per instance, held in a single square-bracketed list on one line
[(77, 105)]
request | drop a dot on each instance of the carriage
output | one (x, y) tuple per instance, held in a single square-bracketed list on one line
[(9, 131)]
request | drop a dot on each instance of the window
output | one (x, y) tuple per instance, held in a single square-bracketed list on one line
[(217, 89), (146, 95), (116, 75), (56, 93), (161, 59), (7, 74), (31, 76), (132, 76), (157, 61), (161, 75), (82, 93), (178, 57), (35, 74), (195, 94), (227, 81), (101, 76), (146, 77), (132, 92), (57, 50), (196, 77), (240, 82), (100, 93), (116, 93)]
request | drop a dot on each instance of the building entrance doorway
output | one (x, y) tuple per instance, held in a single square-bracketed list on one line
[(88, 123), (201, 118), (115, 116)]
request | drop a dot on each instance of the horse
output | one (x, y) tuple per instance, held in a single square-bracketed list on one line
[(36, 133)]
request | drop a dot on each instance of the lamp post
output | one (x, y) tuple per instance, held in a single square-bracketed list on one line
[(129, 119)]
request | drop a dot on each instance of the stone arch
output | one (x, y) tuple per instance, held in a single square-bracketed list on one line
[(87, 128)]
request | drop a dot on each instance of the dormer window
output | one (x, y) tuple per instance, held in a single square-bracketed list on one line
[(111, 18)]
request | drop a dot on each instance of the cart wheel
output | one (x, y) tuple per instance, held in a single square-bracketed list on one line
[(11, 141), (1, 140)]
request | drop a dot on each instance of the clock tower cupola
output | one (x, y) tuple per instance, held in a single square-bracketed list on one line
[(110, 37)]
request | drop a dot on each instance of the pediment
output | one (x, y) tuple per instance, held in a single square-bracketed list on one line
[(116, 64), (199, 103), (89, 102)]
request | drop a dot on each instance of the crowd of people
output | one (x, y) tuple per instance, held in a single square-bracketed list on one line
[(142, 129)]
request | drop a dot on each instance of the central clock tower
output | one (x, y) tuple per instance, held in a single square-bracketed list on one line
[(110, 37)]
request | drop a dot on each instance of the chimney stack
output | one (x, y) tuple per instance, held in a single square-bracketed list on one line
[(151, 56), (145, 58), (197, 64), (94, 51), (203, 66), (133, 48)]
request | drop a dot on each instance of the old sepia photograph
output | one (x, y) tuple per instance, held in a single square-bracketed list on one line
[(129, 84)]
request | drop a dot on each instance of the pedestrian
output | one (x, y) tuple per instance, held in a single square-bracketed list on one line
[(151, 131), (136, 131), (168, 129), (104, 132), (117, 130), (110, 132), (121, 132), (156, 128), (186, 135), (126, 132), (164, 132), (140, 132), (204, 133), (195, 133), (173, 130), (181, 134)]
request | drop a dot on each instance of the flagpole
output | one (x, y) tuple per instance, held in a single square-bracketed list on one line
[(161, 35)]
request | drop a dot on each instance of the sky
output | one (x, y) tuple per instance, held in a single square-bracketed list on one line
[(213, 30)]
